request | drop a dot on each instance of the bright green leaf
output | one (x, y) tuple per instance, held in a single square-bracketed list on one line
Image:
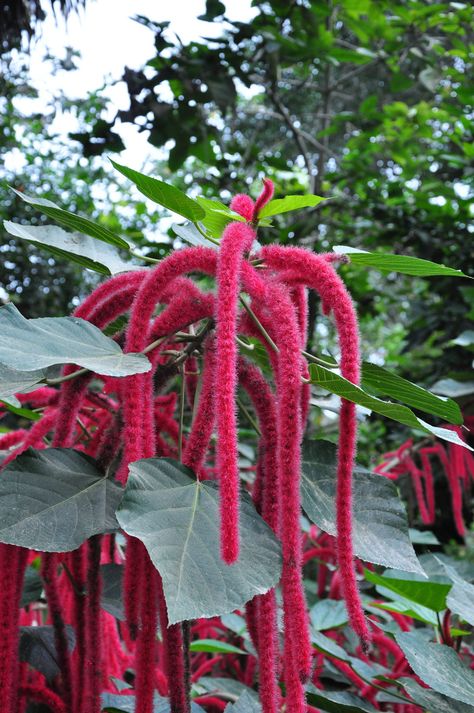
[(214, 646), (397, 263), (163, 193), (336, 384), (284, 205), (429, 594)]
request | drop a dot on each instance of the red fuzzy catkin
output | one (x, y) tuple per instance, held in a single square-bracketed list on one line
[(314, 271), (91, 702), (43, 695), (236, 240), (265, 196)]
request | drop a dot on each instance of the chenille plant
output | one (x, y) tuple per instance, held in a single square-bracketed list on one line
[(130, 479)]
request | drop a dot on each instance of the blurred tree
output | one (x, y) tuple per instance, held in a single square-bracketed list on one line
[(20, 19)]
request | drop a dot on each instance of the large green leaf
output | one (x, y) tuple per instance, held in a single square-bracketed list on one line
[(429, 594), (217, 217), (177, 519), (336, 384), (31, 344), (14, 382), (53, 500), (337, 701), (112, 595), (163, 193), (284, 205), (438, 666), (461, 596), (382, 381), (72, 221), (32, 587), (379, 523), (77, 247), (432, 701), (397, 263)]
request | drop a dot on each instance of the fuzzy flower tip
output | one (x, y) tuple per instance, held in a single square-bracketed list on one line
[(243, 205), (265, 196)]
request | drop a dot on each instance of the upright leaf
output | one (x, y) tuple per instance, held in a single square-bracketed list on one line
[(177, 519), (163, 193), (284, 205), (53, 500), (31, 344), (380, 524)]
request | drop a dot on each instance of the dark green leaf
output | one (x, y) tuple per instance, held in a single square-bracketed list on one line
[(13, 382), (164, 194), (53, 500), (215, 646), (245, 704), (115, 703), (37, 648), (328, 614), (461, 597), (397, 263), (382, 381), (86, 251), (432, 701), (229, 685), (74, 222), (31, 344), (338, 701), (284, 205), (380, 526), (23, 412), (336, 384), (431, 595), (32, 587), (177, 519), (438, 666), (112, 596)]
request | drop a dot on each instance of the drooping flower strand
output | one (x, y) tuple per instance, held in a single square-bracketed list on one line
[(13, 562), (317, 273)]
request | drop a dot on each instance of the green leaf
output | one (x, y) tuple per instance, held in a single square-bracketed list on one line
[(112, 596), (397, 263), (190, 234), (382, 381), (438, 666), (217, 217), (429, 594), (404, 606), (23, 412), (461, 596), (72, 221), (163, 193), (432, 701), (37, 648), (13, 382), (177, 519), (215, 646), (31, 344), (245, 704), (337, 701), (53, 500), (453, 388), (284, 205), (336, 384), (328, 614), (328, 646), (229, 685), (82, 249), (423, 537), (380, 528)]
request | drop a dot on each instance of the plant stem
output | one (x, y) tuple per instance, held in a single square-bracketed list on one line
[(258, 324), (181, 414)]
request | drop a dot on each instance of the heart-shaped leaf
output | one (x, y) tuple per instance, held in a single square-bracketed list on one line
[(53, 500), (31, 344), (379, 524), (77, 247), (432, 701), (13, 382), (177, 519)]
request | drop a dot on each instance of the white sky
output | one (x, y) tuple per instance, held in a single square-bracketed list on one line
[(108, 40)]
